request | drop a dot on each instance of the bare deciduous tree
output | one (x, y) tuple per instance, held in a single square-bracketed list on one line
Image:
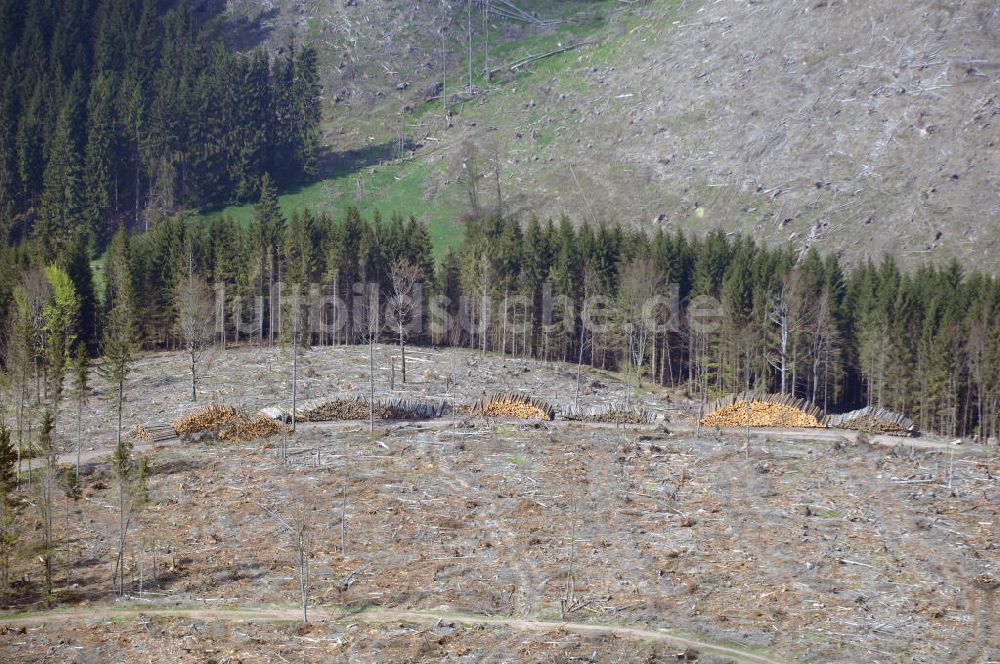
[(368, 323), (298, 527), (195, 306), (405, 276), (638, 288), (789, 315), (131, 477)]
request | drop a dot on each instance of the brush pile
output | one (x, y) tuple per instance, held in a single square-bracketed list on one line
[(772, 410), (322, 410), (227, 424), (512, 404), (874, 420), (617, 414)]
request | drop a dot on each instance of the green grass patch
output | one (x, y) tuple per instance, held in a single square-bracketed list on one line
[(399, 188)]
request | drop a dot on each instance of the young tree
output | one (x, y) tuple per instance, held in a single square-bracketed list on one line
[(298, 528), (47, 497), (195, 307), (60, 330), (368, 323), (130, 476), (638, 288), (120, 343), (10, 504), (81, 391), (297, 334), (405, 277)]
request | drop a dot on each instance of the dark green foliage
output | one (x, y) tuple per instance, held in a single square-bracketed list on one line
[(113, 111), (77, 265), (10, 504)]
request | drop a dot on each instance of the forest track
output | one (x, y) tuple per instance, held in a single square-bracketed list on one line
[(91, 456), (384, 615)]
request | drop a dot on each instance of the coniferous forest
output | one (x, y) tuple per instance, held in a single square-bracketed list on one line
[(119, 113), (465, 331), (117, 116)]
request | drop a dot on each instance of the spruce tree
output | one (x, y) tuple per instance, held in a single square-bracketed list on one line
[(10, 504), (99, 158), (63, 187)]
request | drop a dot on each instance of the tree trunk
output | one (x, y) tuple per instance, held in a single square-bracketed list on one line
[(371, 387), (295, 374), (194, 375), (304, 576), (79, 432), (468, 4), (402, 353), (579, 366)]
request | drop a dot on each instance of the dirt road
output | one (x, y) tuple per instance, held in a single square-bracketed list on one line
[(385, 615), (817, 435)]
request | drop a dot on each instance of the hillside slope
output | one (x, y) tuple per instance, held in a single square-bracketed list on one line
[(857, 127)]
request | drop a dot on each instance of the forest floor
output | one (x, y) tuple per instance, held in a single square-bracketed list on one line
[(498, 540)]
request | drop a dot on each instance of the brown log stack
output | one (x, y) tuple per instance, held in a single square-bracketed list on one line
[(874, 420), (773, 410), (514, 405), (228, 424)]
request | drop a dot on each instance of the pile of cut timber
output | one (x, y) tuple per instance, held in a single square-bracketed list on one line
[(228, 424), (208, 418), (247, 428), (323, 410), (152, 433), (771, 410), (613, 415), (513, 404), (874, 420)]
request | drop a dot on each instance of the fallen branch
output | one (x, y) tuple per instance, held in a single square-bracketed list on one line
[(845, 561), (541, 56)]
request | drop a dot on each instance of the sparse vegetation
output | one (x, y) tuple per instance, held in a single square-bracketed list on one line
[(549, 330)]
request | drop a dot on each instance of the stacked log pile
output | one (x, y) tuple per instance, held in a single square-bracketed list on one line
[(208, 418), (152, 433), (771, 410), (874, 420), (228, 424), (324, 410), (512, 404), (247, 428), (405, 409)]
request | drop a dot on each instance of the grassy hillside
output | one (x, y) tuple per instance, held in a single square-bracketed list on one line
[(858, 128)]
